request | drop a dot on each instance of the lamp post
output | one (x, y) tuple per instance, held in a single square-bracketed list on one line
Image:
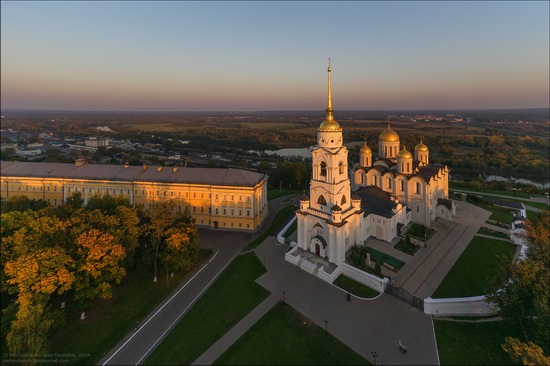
[(283, 296), (374, 356), (326, 327)]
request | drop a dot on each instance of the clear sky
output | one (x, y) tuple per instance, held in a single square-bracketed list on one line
[(213, 56)]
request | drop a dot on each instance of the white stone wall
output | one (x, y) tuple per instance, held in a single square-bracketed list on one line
[(475, 305)]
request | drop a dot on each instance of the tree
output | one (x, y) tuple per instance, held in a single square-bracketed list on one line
[(161, 218), (182, 246), (525, 353), (98, 265), (22, 203), (521, 289)]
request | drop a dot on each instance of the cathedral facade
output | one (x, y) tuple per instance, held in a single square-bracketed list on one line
[(377, 197)]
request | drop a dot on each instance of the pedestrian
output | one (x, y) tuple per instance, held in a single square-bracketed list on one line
[(404, 349), (136, 326), (400, 346)]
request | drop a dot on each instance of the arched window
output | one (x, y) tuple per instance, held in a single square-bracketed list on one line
[(343, 200), (341, 168), (322, 200), (417, 187), (323, 169)]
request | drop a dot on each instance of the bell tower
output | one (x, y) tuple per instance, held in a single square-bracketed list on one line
[(330, 184)]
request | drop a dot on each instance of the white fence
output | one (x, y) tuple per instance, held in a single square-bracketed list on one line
[(363, 277), (475, 305), (280, 236)]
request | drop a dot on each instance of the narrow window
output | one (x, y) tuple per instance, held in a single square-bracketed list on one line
[(323, 167), (322, 200)]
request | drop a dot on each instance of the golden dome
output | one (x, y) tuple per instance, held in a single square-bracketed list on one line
[(330, 125), (388, 135), (405, 154), (365, 150), (421, 147)]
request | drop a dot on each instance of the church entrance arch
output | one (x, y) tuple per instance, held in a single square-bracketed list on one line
[(379, 232), (318, 245)]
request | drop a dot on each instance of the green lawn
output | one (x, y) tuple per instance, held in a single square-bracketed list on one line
[(486, 231), (501, 214), (285, 337), (281, 217), (354, 287), (227, 301), (474, 268), (108, 321), (468, 343), (410, 249), (276, 193)]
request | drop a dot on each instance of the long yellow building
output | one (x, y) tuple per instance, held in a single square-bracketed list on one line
[(217, 198)]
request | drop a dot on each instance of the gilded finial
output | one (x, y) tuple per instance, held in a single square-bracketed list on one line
[(330, 117), (388, 121)]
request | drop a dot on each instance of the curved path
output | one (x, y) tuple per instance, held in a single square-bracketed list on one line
[(136, 346)]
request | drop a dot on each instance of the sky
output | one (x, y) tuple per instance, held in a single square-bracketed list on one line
[(273, 55)]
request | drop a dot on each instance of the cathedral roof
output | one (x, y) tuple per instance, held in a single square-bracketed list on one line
[(388, 134), (405, 154), (375, 201), (421, 147), (365, 150)]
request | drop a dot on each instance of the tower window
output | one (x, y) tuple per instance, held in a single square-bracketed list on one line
[(322, 200), (343, 200), (341, 168), (323, 167)]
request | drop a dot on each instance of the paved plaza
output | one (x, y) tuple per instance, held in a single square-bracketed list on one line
[(364, 325)]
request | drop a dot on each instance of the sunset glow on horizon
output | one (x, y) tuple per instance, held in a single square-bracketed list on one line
[(252, 56)]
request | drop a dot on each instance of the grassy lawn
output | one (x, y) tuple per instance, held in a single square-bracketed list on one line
[(275, 193), (281, 217), (479, 343), (420, 231), (108, 321), (285, 337), (406, 248), (354, 287), (474, 268), (486, 231), (500, 214), (225, 303)]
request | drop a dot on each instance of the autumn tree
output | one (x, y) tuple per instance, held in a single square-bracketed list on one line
[(36, 275), (521, 289), (97, 266), (161, 218), (182, 244)]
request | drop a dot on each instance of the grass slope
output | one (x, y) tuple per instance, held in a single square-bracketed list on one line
[(229, 299), (354, 287), (473, 343), (285, 337), (108, 321), (474, 268)]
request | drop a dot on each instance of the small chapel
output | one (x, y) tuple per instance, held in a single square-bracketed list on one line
[(376, 197)]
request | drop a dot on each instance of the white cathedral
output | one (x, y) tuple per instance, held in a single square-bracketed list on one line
[(387, 193)]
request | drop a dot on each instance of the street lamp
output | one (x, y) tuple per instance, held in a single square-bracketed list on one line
[(283, 296), (374, 356), (326, 327)]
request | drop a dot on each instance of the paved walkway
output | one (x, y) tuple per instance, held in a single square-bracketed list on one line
[(218, 348), (422, 274), (137, 346)]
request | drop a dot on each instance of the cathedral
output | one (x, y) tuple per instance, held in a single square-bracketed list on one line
[(384, 194)]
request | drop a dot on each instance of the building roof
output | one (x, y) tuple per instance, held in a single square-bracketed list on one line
[(445, 202), (376, 201), (206, 176)]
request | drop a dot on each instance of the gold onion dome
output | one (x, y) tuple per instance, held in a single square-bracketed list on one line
[(365, 150), (405, 154), (421, 147), (330, 125), (388, 135)]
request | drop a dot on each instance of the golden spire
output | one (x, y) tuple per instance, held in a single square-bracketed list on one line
[(330, 117), (388, 121)]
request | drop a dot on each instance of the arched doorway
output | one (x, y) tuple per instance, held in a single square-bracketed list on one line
[(317, 250)]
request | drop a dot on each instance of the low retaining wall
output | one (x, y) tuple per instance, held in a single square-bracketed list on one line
[(329, 277), (363, 277), (289, 257), (475, 305), (280, 237)]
